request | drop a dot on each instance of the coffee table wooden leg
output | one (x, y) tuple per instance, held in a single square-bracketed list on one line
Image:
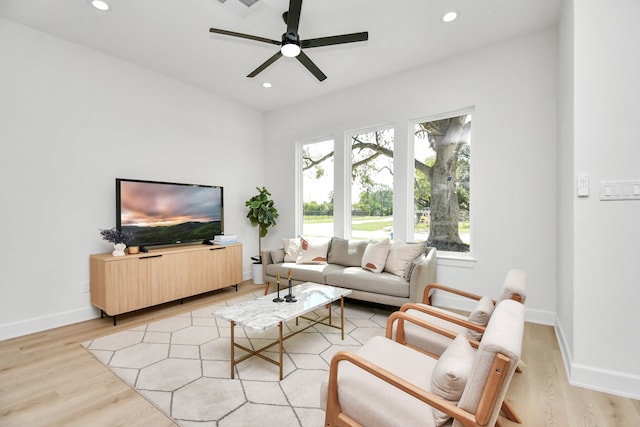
[(280, 339), (233, 345), (342, 317)]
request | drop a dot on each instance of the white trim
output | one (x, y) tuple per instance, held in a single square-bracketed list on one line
[(39, 324), (603, 380), (456, 259)]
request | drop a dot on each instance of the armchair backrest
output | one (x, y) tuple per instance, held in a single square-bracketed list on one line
[(495, 362), (515, 286)]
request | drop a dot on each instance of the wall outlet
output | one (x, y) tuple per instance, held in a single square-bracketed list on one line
[(86, 287)]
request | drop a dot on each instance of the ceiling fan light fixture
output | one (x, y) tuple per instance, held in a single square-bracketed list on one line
[(100, 5), (290, 50)]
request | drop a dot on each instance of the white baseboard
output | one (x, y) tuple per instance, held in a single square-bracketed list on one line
[(598, 379), (39, 324)]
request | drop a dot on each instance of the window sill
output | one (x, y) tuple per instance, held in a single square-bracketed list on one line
[(456, 259)]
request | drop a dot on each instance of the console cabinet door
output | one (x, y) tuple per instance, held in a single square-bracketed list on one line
[(124, 285), (170, 277), (233, 266)]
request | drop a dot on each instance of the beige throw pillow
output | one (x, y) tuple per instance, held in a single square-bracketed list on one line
[(314, 251), (291, 249), (347, 252), (400, 255), (375, 256), (480, 315), (450, 375)]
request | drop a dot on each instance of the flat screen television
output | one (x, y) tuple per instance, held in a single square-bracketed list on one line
[(166, 213)]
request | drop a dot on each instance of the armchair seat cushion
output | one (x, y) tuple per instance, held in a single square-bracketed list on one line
[(369, 400)]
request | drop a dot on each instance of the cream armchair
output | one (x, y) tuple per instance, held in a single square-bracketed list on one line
[(473, 325), (389, 384)]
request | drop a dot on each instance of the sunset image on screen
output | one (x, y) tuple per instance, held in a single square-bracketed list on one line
[(152, 205), (160, 213)]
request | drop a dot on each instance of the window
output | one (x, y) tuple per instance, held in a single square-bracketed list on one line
[(442, 178), (317, 188), (372, 184)]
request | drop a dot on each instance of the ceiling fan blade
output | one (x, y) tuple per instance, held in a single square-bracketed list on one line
[(307, 62), (293, 16), (265, 64), (244, 36), (326, 41)]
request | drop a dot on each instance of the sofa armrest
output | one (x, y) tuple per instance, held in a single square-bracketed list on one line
[(423, 274)]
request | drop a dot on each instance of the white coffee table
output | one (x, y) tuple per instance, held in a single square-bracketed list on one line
[(263, 313)]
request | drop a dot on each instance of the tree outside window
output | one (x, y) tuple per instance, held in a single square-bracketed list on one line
[(317, 188), (442, 182)]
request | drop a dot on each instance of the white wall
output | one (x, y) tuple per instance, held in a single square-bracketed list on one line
[(71, 121), (606, 105), (512, 87), (566, 187)]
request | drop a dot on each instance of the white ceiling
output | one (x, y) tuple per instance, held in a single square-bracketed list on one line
[(172, 37)]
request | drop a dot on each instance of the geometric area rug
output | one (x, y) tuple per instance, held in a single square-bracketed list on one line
[(182, 366)]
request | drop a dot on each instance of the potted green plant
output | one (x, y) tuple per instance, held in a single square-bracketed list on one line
[(262, 214)]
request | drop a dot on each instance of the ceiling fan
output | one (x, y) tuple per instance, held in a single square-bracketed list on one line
[(291, 45)]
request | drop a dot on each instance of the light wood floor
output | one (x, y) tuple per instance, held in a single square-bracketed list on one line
[(48, 379)]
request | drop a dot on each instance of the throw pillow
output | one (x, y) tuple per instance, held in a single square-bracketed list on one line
[(291, 249), (347, 252), (314, 251), (277, 256), (450, 375), (480, 315), (400, 255), (412, 265), (375, 256)]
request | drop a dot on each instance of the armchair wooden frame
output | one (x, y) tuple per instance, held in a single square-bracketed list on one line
[(336, 418), (426, 298)]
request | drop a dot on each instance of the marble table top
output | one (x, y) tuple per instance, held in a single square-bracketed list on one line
[(262, 313)]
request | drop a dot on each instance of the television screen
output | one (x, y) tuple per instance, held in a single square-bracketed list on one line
[(163, 213)]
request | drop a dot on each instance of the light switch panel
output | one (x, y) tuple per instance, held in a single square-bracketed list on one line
[(583, 185), (620, 190)]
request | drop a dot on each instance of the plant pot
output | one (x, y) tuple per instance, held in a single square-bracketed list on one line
[(256, 270), (118, 249)]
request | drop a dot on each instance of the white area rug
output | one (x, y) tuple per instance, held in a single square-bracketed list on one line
[(182, 366)]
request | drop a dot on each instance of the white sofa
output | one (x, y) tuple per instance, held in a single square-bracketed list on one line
[(343, 268)]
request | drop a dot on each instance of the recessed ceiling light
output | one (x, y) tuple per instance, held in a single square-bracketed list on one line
[(100, 5), (450, 17), (266, 84)]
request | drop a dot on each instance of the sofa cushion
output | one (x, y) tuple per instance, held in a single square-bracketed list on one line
[(480, 315), (301, 272), (450, 375), (375, 255), (291, 249), (347, 252), (400, 255), (314, 251), (358, 279)]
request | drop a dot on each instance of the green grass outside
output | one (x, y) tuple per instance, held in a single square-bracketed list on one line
[(463, 226)]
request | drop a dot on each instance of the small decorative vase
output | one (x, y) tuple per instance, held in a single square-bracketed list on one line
[(118, 249)]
